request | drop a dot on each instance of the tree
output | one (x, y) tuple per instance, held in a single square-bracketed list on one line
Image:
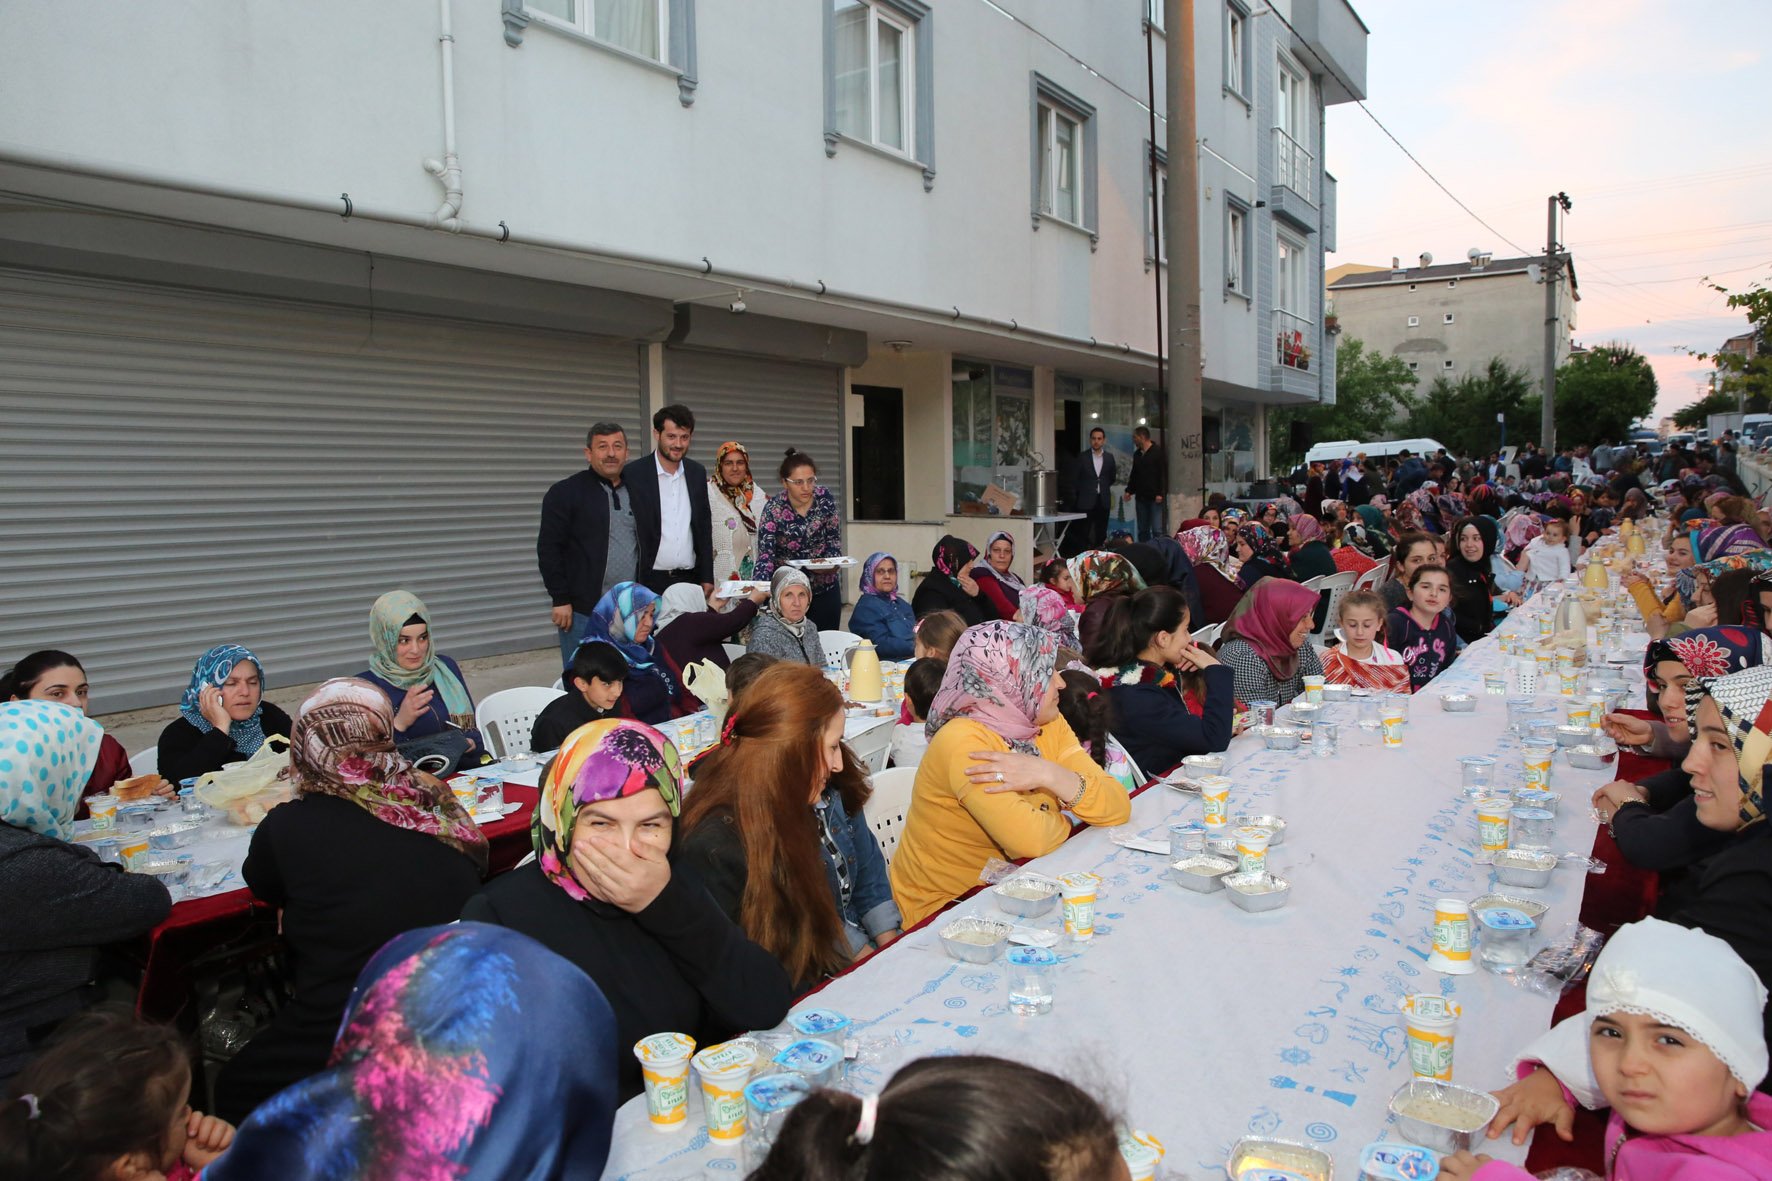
[(1693, 416), (1744, 375), (1372, 391), (1601, 393), (1461, 414)]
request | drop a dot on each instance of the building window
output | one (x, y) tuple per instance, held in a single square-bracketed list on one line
[(639, 27), (1156, 213), (879, 79), (1415, 321), (661, 32), (1412, 287), (1447, 318), (993, 424), (1293, 330), (1451, 282), (1236, 247), (1414, 365), (1446, 366), (1236, 49), (1153, 11), (1063, 158)]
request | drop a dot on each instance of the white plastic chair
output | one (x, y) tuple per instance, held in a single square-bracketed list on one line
[(1208, 635), (1139, 778), (836, 644), (888, 807), (872, 748), (733, 651), (559, 684), (1372, 579), (505, 718), (1337, 585), (145, 762)]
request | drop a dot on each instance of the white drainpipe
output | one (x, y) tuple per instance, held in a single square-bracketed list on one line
[(448, 170)]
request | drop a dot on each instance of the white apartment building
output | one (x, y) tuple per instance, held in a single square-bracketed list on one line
[(1450, 319), (301, 303)]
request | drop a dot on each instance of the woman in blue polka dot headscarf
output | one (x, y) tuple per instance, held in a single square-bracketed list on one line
[(46, 753)]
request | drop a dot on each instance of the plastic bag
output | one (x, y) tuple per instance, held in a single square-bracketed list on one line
[(1564, 962), (707, 681), (246, 791)]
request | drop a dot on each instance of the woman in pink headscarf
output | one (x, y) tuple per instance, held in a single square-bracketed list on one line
[(1266, 641)]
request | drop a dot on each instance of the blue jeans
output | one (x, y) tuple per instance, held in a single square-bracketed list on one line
[(1150, 518), (572, 637)]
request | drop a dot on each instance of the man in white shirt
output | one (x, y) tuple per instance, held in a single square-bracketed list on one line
[(671, 513)]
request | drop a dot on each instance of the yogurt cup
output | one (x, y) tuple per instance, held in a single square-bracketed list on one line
[(1452, 938), (1215, 796), (1079, 891), (1313, 689), (723, 1070), (1492, 824), (1252, 843), (664, 1066), (1535, 760), (1142, 1153), (103, 810), (1391, 716), (1430, 1022)]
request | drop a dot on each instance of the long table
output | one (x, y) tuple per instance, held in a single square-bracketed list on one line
[(1199, 1023)]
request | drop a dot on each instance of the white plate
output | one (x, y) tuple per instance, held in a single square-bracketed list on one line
[(822, 565), (487, 815), (727, 590)]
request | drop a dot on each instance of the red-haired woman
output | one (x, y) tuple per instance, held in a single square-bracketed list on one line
[(775, 829)]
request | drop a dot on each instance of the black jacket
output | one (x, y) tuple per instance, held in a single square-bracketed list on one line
[(938, 592), (186, 751), (1158, 730), (678, 965), (1088, 490), (1150, 474), (641, 479), (572, 545)]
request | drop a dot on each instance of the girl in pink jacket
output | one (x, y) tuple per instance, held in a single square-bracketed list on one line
[(1673, 1042)]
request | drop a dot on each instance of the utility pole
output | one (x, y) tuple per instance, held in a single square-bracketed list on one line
[(1186, 446), (1553, 265)]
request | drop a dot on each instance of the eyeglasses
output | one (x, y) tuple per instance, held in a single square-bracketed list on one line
[(805, 483)]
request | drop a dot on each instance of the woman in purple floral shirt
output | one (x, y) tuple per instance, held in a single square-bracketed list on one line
[(800, 522)]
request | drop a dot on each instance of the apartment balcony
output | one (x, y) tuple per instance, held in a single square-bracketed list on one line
[(1293, 196), (1296, 368), (1335, 36)]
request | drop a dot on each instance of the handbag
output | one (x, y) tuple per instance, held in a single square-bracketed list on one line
[(440, 754)]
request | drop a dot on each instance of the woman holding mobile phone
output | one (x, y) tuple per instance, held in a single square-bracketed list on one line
[(426, 689)]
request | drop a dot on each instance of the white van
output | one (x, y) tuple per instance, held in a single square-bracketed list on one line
[(1382, 449)]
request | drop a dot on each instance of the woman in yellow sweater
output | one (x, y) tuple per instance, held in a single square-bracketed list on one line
[(1001, 769), (1658, 614)]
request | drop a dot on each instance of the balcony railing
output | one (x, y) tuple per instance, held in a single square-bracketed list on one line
[(1292, 340), (1292, 165)]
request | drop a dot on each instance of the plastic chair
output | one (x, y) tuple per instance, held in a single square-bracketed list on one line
[(1372, 579), (1139, 778), (559, 684), (872, 748), (836, 644), (733, 651), (145, 762), (1334, 587), (888, 807), (505, 718)]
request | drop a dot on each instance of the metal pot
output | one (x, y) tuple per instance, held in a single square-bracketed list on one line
[(1039, 492)]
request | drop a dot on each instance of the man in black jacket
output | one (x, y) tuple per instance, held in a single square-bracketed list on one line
[(671, 515), (1146, 485), (1092, 488), (587, 541)]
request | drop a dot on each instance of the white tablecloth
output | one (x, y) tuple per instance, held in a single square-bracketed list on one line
[(1200, 1023)]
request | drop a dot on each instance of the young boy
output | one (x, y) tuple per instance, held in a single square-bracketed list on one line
[(921, 680), (593, 686), (1426, 637), (1546, 557), (1361, 659), (1672, 1041)]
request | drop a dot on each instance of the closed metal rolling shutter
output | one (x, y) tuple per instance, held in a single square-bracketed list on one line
[(182, 469), (765, 404)]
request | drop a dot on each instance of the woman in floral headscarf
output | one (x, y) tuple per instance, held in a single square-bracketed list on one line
[(605, 893), (1099, 572), (449, 1064), (949, 585), (1045, 608), (1425, 500), (882, 615), (735, 505), (1001, 769), (1711, 545), (370, 847), (1207, 550), (626, 616), (1263, 556)]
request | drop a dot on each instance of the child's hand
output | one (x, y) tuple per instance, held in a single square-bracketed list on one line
[(208, 1138), (1535, 1099), (1460, 1165)]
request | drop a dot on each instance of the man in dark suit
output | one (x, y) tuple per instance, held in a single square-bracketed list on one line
[(671, 516), (586, 541), (1092, 489)]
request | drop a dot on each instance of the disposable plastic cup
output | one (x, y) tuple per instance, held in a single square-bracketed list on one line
[(1569, 684), (103, 810), (1535, 760), (1505, 941), (1493, 815), (1478, 773), (1252, 845), (1390, 722), (1325, 738), (1079, 904), (1215, 795), (1531, 828), (1495, 684), (1430, 1023), (1313, 689), (1142, 1153), (768, 1100), (664, 1067), (1452, 938), (723, 1071), (1596, 707)]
